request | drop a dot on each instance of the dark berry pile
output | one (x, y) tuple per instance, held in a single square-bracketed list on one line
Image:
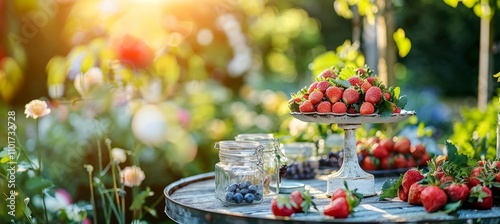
[(301, 170), (332, 160), (243, 192)]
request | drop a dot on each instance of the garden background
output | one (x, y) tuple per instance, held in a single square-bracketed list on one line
[(174, 77)]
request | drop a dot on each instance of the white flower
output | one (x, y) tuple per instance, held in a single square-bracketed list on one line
[(36, 109), (118, 155), (149, 125), (84, 82), (132, 176)]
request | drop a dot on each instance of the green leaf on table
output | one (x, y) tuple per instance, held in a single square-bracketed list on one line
[(390, 188), (452, 207)]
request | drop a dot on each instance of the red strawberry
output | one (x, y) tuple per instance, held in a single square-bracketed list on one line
[(388, 144), (433, 198), (369, 163), (402, 145), (396, 110), (312, 87), (315, 97), (373, 95), (446, 179), (402, 195), (338, 208), (410, 177), (334, 93), (497, 177), (323, 85), (324, 107), (474, 177), (371, 79), (350, 96), (414, 194), (327, 73), (361, 71), (282, 206), (365, 86), (387, 96), (418, 151), (399, 161), (366, 108), (355, 81), (457, 192), (351, 110), (339, 108), (425, 158), (302, 201), (386, 163), (481, 197), (379, 151), (338, 193), (307, 107)]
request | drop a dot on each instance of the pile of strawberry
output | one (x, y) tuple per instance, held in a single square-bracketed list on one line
[(453, 182), (297, 202), (348, 90), (343, 203), (382, 153)]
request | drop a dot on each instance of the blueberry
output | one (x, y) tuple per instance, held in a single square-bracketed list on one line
[(231, 188), (249, 198), (258, 196), (242, 185), (237, 190), (248, 183), (252, 189), (244, 191), (229, 196), (238, 198)]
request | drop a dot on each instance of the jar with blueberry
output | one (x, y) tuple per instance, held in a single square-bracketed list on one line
[(239, 174), (272, 159), (302, 160)]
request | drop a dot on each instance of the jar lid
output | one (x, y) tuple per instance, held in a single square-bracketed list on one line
[(255, 136), (287, 187), (299, 148), (236, 145)]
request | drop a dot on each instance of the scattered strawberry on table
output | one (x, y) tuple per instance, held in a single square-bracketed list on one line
[(297, 202), (348, 90), (342, 203), (452, 182)]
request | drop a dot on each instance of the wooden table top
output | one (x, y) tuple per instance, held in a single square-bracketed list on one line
[(192, 200)]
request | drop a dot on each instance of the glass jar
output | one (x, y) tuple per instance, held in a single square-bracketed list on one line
[(272, 159), (239, 176), (302, 160)]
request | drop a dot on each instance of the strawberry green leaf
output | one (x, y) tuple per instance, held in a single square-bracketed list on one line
[(401, 102), (397, 91), (385, 109), (452, 207), (338, 82), (390, 188), (346, 73), (459, 160)]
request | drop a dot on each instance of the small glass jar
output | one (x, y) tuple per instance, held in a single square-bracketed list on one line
[(272, 159), (302, 160), (239, 177)]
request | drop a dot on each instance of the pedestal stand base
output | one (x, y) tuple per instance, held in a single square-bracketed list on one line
[(365, 185), (351, 172)]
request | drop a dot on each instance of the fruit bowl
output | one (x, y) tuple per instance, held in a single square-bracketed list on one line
[(345, 118)]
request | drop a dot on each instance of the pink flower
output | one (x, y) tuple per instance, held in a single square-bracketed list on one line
[(132, 176), (36, 109), (85, 82)]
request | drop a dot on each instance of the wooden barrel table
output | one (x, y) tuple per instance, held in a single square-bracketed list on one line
[(192, 200)]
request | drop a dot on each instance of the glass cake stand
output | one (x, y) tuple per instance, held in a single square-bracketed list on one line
[(350, 171)]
